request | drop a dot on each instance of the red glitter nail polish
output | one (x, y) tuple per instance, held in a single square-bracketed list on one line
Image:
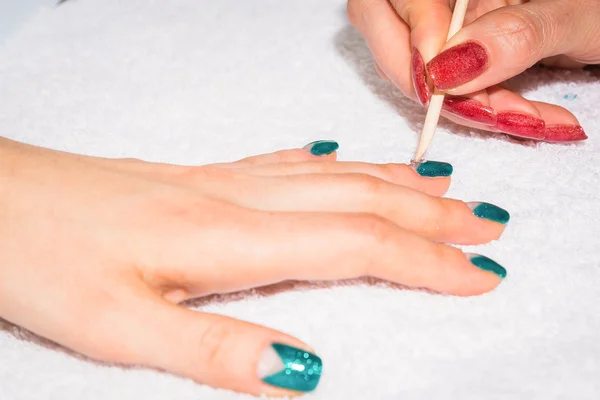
[(565, 133), (418, 77), (457, 65), (522, 125), (470, 109)]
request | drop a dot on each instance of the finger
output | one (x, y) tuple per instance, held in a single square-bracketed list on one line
[(217, 351), (326, 246), (561, 124), (501, 44), (471, 110), (418, 177), (436, 218), (380, 72), (321, 150), (562, 62), (533, 120), (388, 38), (516, 116), (509, 113), (429, 22)]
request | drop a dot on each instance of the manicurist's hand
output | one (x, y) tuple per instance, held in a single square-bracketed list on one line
[(96, 254), (500, 39)]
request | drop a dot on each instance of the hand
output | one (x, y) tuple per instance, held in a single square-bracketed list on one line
[(499, 40), (96, 254)]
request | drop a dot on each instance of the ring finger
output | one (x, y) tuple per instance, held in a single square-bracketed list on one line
[(439, 219)]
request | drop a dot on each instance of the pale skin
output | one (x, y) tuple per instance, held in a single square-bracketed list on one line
[(96, 254), (516, 33)]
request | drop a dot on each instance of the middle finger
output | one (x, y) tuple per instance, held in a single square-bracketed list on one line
[(439, 219)]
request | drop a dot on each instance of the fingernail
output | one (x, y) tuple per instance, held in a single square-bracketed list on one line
[(490, 212), (290, 368), (522, 125), (322, 147), (469, 109), (432, 169), (564, 133), (419, 78), (487, 264), (457, 65)]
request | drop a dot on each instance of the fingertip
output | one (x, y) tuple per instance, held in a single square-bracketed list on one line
[(561, 125), (451, 271), (419, 77), (432, 169), (429, 22), (322, 148), (289, 368), (454, 68), (481, 275), (380, 72), (434, 177)]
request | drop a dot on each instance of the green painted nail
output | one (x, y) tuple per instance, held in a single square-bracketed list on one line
[(322, 147), (487, 264), (433, 169), (490, 211), (290, 368)]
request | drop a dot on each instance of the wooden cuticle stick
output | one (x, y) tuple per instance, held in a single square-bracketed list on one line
[(437, 99)]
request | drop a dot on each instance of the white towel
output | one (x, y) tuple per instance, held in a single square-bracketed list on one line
[(191, 82)]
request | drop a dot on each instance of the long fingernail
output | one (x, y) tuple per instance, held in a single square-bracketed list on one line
[(564, 133), (290, 368), (432, 169), (418, 77), (522, 125), (457, 65), (469, 109), (487, 264), (321, 147), (490, 212)]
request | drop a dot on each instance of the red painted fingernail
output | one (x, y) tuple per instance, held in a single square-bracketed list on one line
[(470, 109), (564, 133), (523, 125), (457, 65), (419, 78)]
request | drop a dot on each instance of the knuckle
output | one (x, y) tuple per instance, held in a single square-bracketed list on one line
[(404, 9), (375, 233), (448, 254), (368, 184), (213, 344), (524, 31), (373, 229), (445, 217), (390, 171), (200, 172), (356, 9), (284, 156), (353, 11)]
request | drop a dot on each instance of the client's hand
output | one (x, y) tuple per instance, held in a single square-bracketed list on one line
[(500, 39), (96, 254)]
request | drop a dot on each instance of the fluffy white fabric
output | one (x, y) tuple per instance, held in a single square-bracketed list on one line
[(192, 82)]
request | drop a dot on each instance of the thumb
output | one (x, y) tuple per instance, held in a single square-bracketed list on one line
[(221, 352), (429, 22), (500, 45)]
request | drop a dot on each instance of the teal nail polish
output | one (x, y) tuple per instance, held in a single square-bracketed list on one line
[(491, 212), (322, 147), (487, 264), (433, 169), (290, 368)]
